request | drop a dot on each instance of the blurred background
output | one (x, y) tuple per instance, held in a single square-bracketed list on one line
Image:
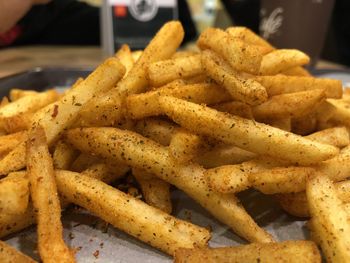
[(46, 33)]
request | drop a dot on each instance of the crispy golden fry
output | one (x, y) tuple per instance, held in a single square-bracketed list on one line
[(337, 136), (14, 193), (125, 57), (18, 122), (146, 104), (9, 254), (247, 134), (248, 36), (281, 180), (45, 199), (331, 225), (136, 55), (238, 54), (296, 203), (109, 108), (284, 252), (245, 90), (297, 71), (184, 146), (157, 130), (129, 214), (341, 112), (16, 94), (227, 179), (296, 104), (57, 116), (280, 60), (9, 142), (105, 172), (223, 155), (184, 53), (280, 84), (142, 153), (235, 108), (4, 101), (63, 155), (155, 191), (165, 71)]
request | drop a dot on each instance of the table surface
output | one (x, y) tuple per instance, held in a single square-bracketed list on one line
[(13, 60)]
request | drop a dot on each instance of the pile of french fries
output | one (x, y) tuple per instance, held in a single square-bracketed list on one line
[(233, 115)]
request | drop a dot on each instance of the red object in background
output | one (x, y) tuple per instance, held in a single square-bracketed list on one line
[(10, 36), (120, 11)]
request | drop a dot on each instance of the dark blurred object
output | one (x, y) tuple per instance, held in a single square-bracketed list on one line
[(300, 24), (187, 22), (337, 45)]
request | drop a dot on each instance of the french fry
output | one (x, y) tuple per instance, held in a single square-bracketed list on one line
[(152, 226), (125, 57), (227, 179), (235, 108), (136, 55), (4, 101), (184, 53), (283, 252), (18, 122), (14, 193), (248, 36), (246, 134), (16, 94), (223, 155), (45, 199), (331, 225), (155, 191), (157, 130), (284, 123), (84, 161), (337, 136), (304, 125), (184, 146), (245, 90), (280, 84), (165, 71), (55, 117), (239, 55), (281, 180), (108, 108), (280, 60), (146, 104), (9, 142), (63, 155), (142, 153), (104, 172), (9, 254), (296, 104), (297, 71)]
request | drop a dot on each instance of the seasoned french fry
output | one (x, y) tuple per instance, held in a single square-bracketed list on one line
[(280, 60), (84, 161), (158, 130), (16, 94), (184, 146), (227, 179), (14, 193), (245, 90), (235, 108), (155, 191), (248, 36), (280, 84), (146, 104), (184, 53), (331, 225), (246, 134), (17, 123), (239, 55), (165, 71), (142, 153), (297, 71), (59, 115), (337, 136), (63, 155), (45, 199), (283, 252), (284, 123), (125, 57), (289, 105), (281, 180), (104, 172), (9, 254), (223, 155), (109, 108), (9, 142), (4, 101), (129, 214)]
